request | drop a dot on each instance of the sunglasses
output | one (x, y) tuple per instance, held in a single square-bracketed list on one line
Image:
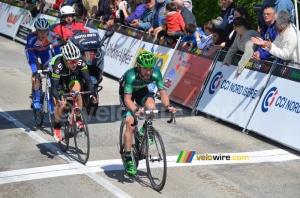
[(72, 62), (42, 31)]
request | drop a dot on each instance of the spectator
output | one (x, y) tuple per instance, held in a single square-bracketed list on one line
[(242, 42), (144, 23), (278, 5), (113, 16), (174, 20), (228, 35), (159, 13), (227, 7), (268, 32), (188, 4), (119, 12), (104, 10), (186, 14), (137, 8), (190, 36), (91, 6), (216, 33), (284, 46), (205, 42)]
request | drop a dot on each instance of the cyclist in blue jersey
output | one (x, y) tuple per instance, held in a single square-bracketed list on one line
[(38, 46), (134, 89)]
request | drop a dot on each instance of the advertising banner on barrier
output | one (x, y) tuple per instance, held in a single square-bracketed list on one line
[(277, 114), (233, 99), (12, 16), (163, 54), (27, 24), (121, 50), (52, 16), (185, 76)]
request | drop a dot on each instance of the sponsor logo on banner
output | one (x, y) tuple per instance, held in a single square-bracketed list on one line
[(269, 99), (215, 82), (227, 85), (279, 101), (122, 55)]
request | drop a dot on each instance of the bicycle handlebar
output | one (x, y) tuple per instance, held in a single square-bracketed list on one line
[(43, 71), (73, 94), (155, 111)]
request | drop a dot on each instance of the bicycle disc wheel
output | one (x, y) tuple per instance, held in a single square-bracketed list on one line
[(134, 152), (156, 160), (81, 137), (65, 129)]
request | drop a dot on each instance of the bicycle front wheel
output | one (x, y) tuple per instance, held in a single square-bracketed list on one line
[(39, 117), (81, 136), (156, 160)]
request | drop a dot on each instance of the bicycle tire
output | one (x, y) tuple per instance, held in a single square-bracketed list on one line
[(65, 129), (156, 160), (134, 152), (38, 114), (81, 138)]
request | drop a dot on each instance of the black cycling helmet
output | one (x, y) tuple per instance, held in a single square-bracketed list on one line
[(146, 60)]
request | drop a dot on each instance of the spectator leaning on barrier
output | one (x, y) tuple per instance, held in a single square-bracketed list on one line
[(137, 8), (242, 42), (205, 42), (285, 44), (159, 13), (68, 25), (144, 23), (278, 5), (190, 36), (268, 32)]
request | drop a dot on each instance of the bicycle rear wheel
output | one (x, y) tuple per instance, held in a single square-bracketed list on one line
[(156, 160), (81, 137), (134, 152)]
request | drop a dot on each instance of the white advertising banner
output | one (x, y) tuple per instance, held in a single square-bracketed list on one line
[(277, 114), (121, 50), (233, 99), (12, 17), (162, 53), (4, 10)]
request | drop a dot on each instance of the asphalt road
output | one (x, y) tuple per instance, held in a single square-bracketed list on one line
[(31, 164)]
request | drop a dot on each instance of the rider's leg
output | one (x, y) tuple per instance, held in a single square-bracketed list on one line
[(149, 103), (130, 168), (75, 86), (35, 89), (57, 116)]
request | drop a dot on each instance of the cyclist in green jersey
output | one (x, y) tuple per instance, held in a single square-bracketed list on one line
[(134, 90)]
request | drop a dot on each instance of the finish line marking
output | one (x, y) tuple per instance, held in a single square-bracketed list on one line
[(276, 155)]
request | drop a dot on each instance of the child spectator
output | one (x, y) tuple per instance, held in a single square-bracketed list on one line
[(174, 19), (205, 42), (190, 35)]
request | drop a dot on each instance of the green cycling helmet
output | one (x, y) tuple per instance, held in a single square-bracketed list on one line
[(146, 60)]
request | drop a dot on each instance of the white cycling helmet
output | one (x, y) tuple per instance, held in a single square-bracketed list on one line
[(42, 24), (67, 10), (70, 51)]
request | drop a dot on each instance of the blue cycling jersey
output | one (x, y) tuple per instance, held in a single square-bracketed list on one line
[(40, 49)]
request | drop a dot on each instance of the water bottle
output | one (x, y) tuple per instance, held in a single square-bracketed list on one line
[(141, 133)]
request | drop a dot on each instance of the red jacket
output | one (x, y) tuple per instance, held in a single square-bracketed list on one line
[(175, 22), (66, 31)]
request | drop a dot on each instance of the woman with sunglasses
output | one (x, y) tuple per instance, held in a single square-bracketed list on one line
[(66, 69), (38, 46)]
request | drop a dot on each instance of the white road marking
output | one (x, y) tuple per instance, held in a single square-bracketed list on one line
[(276, 155), (73, 165)]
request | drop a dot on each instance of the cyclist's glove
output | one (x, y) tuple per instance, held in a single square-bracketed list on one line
[(167, 110), (36, 75)]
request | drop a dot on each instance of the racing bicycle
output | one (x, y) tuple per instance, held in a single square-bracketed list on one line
[(148, 146), (71, 113), (46, 100)]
